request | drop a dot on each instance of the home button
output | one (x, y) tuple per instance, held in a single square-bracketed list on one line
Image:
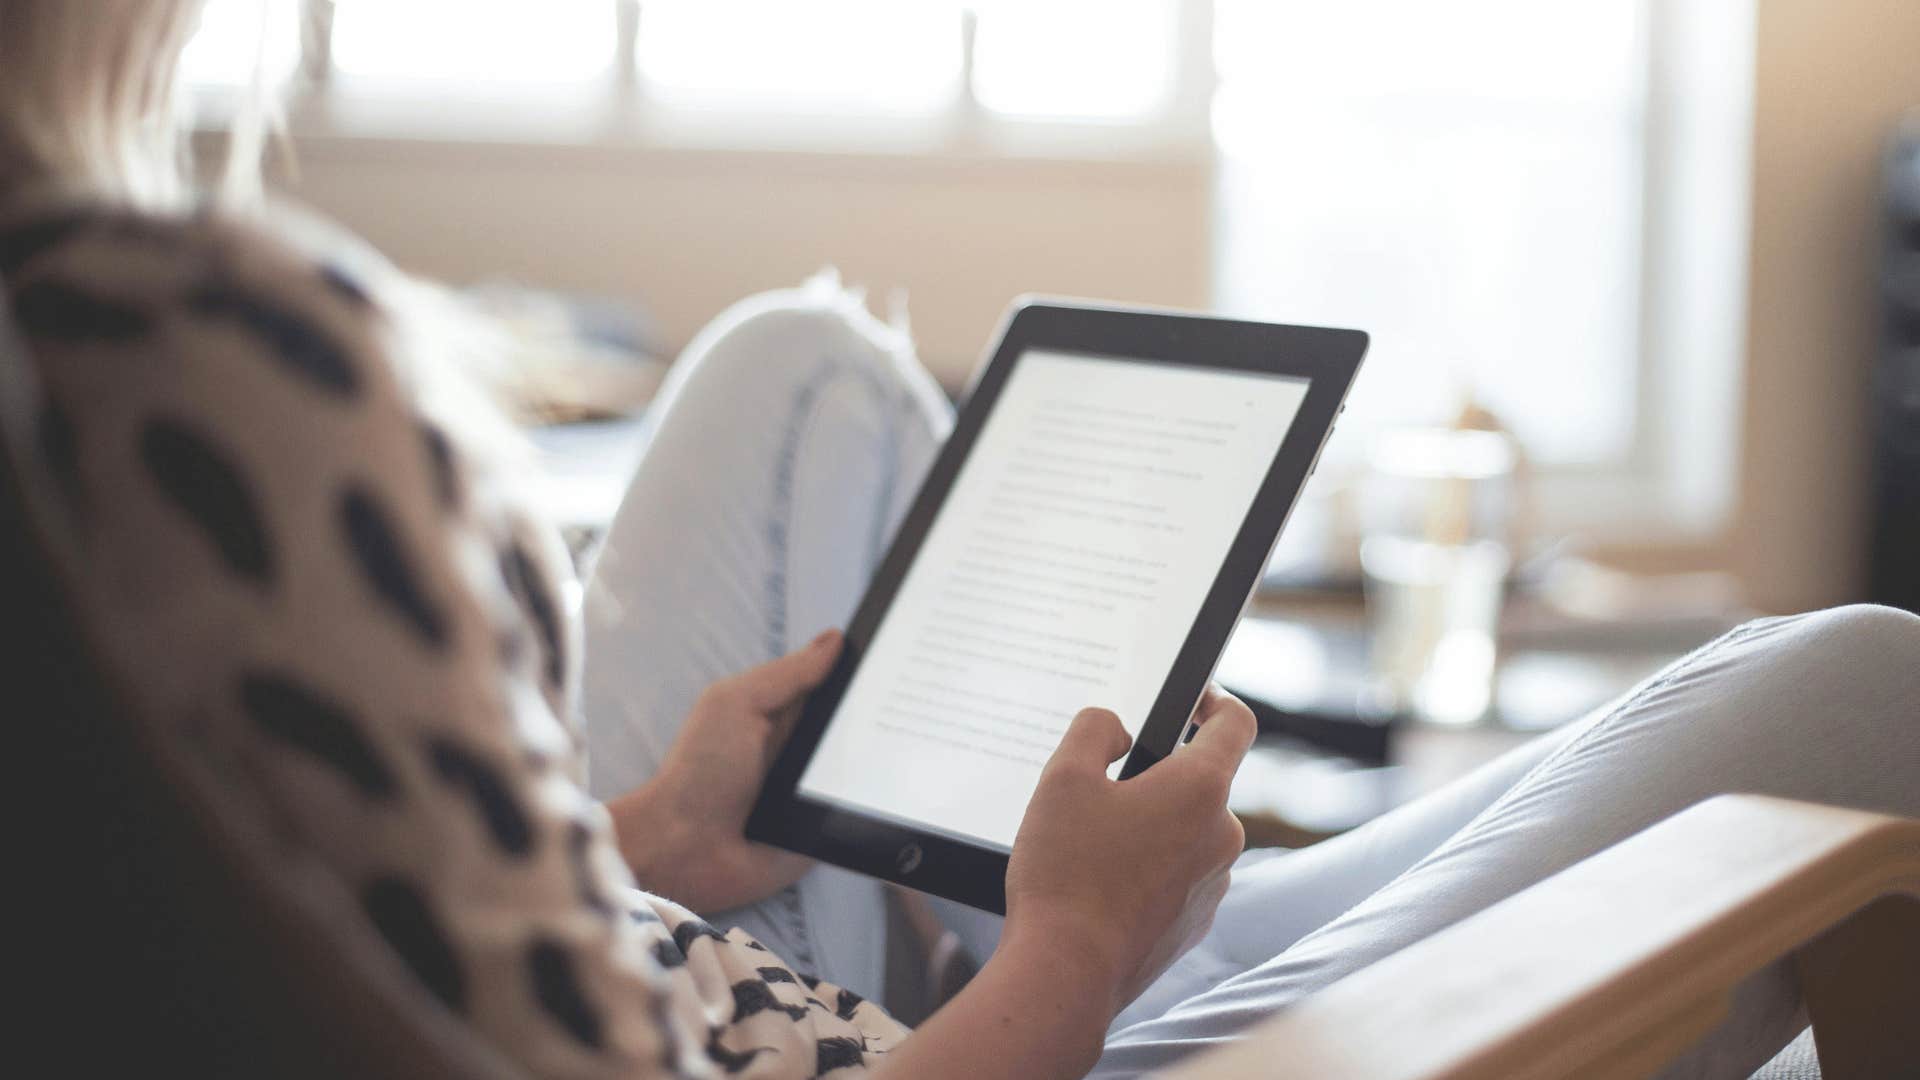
[(908, 860)]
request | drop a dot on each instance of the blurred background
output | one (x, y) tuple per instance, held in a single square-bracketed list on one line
[(1643, 278)]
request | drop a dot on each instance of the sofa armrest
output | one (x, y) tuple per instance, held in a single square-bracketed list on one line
[(1615, 965)]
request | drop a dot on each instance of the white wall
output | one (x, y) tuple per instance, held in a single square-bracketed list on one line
[(1830, 81), (686, 231)]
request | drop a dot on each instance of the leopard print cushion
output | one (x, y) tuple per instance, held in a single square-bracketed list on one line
[(298, 569)]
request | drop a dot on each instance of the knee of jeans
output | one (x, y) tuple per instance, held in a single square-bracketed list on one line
[(790, 335), (1842, 659), (1855, 632)]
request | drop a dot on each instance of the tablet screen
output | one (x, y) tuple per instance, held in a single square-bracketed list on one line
[(1064, 570)]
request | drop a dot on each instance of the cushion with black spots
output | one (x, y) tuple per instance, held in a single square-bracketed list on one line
[(205, 484), (731, 1060), (558, 992), (375, 545), (580, 840), (751, 997), (506, 823), (300, 347), (302, 718), (527, 585), (839, 1052), (56, 311), (410, 928)]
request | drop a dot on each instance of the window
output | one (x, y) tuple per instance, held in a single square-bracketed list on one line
[(1537, 204), (1464, 180), (239, 39), (882, 56), (1086, 60), (427, 42), (1101, 61)]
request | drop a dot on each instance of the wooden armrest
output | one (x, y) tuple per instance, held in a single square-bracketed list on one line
[(1615, 965)]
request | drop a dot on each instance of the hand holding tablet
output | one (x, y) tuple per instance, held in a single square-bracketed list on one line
[(1088, 537), (1062, 879)]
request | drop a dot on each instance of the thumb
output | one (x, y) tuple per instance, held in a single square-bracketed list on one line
[(1226, 732), (1094, 740), (777, 683)]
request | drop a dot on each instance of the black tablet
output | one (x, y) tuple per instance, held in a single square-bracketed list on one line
[(1089, 535)]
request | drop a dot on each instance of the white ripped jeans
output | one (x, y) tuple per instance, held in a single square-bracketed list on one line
[(791, 437)]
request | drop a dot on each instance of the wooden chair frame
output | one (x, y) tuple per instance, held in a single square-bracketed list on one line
[(1614, 966)]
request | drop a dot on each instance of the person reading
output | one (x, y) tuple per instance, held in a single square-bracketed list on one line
[(290, 536)]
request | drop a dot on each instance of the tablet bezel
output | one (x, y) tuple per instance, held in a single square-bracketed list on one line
[(975, 874)]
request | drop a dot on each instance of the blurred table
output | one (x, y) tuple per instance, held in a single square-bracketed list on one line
[(1329, 759)]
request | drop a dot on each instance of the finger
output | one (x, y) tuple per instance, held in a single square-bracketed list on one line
[(778, 683), (785, 867), (780, 724), (1226, 731), (1095, 739), (1210, 699)]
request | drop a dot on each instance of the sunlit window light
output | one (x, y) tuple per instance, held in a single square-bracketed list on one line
[(1075, 59), (870, 56), (238, 39), (474, 41), (1474, 203)]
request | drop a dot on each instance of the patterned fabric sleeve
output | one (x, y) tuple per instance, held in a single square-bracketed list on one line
[(287, 556)]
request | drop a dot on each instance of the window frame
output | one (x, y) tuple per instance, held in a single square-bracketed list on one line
[(1677, 484), (617, 111)]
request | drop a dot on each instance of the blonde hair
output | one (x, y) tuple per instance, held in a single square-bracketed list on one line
[(90, 104), (90, 100)]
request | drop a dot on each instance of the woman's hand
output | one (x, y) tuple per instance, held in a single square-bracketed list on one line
[(1110, 882), (1128, 873), (684, 832)]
